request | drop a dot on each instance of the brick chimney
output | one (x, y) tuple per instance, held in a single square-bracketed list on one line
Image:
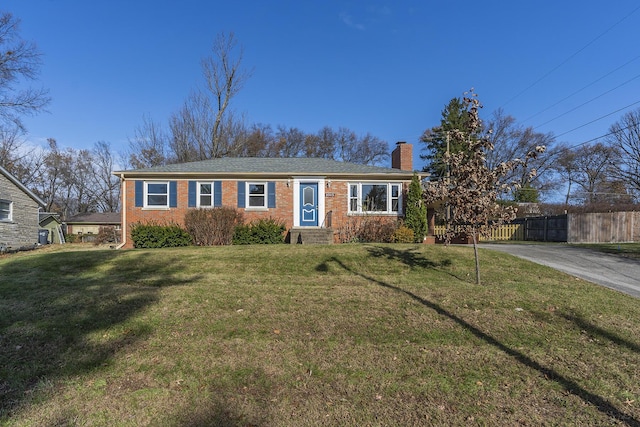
[(402, 156)]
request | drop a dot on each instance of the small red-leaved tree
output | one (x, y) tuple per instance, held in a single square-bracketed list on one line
[(472, 189)]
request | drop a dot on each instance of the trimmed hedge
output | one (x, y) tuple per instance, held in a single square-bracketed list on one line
[(262, 232), (159, 236)]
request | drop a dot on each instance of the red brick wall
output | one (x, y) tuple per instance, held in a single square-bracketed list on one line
[(282, 211), (336, 201)]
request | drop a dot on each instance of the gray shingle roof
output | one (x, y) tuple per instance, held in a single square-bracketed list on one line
[(275, 166), (96, 218)]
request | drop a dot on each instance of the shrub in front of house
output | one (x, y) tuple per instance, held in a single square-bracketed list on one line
[(209, 227), (263, 231), (377, 230), (403, 234), (159, 236), (367, 229)]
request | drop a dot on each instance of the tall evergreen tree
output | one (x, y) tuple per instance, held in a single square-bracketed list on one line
[(437, 140)]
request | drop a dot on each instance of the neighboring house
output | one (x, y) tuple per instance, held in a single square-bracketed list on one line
[(50, 228), (88, 225), (304, 193), (19, 209)]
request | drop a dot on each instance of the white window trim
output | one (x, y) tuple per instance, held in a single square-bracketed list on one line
[(198, 194), (146, 195), (388, 211), (247, 205), (10, 217)]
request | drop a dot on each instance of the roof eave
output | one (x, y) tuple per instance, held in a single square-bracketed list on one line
[(400, 175), (18, 184)]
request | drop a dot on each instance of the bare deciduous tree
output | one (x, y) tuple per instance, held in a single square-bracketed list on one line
[(473, 187), (593, 169), (19, 61), (513, 141), (23, 161), (625, 136), (224, 78), (107, 186), (149, 145), (52, 184)]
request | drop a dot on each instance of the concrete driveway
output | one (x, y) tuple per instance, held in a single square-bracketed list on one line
[(615, 272)]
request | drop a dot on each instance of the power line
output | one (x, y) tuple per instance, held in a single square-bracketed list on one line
[(588, 102), (599, 118), (571, 56), (581, 89)]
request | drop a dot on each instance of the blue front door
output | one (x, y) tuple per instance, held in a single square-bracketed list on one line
[(309, 204)]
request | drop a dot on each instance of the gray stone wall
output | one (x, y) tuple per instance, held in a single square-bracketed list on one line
[(22, 230)]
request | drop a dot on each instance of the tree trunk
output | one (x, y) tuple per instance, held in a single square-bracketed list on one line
[(475, 252)]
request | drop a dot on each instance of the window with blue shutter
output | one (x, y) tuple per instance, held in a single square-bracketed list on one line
[(205, 194), (257, 195)]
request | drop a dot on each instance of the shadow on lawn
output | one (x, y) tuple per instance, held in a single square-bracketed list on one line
[(411, 257), (594, 330), (61, 314), (569, 385)]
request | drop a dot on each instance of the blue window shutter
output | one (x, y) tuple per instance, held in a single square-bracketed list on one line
[(192, 194), (139, 189), (173, 194), (241, 192), (271, 190), (217, 194)]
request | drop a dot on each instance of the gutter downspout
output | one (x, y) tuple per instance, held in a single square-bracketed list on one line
[(123, 216)]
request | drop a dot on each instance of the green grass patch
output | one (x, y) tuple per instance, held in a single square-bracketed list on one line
[(629, 250), (294, 335)]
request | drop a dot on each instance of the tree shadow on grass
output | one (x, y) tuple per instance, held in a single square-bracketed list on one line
[(220, 412), (410, 257), (413, 258), (62, 314), (594, 330), (602, 404)]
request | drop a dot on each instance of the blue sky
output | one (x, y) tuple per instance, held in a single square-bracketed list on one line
[(383, 67)]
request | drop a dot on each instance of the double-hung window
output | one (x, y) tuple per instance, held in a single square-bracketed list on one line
[(157, 194), (5, 210), (205, 194), (257, 194), (365, 197)]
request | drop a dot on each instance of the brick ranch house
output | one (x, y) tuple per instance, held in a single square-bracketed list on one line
[(307, 194)]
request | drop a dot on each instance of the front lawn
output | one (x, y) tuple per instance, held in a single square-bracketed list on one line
[(299, 335)]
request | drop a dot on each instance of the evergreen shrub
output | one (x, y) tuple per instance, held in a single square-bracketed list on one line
[(263, 231), (152, 235)]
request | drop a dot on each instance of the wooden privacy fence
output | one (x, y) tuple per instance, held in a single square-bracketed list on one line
[(503, 232), (607, 227)]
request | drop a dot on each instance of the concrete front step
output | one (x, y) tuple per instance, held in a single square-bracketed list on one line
[(311, 236)]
